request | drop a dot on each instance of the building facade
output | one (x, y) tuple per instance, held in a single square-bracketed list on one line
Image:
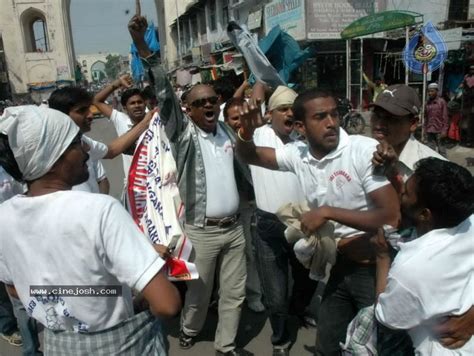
[(195, 33), (38, 45)]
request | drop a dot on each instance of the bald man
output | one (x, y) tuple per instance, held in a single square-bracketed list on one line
[(204, 154)]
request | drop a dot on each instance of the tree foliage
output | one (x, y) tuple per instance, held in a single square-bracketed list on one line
[(112, 66)]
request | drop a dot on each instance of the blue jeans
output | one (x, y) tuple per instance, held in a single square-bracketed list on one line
[(273, 254), (7, 318), (351, 287), (28, 329)]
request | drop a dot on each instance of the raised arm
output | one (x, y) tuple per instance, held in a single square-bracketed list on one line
[(169, 105), (124, 142), (240, 92), (251, 119), (370, 83), (125, 81)]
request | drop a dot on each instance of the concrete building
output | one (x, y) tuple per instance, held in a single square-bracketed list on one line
[(191, 30), (38, 45), (93, 65)]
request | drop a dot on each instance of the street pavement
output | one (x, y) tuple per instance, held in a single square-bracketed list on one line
[(254, 332)]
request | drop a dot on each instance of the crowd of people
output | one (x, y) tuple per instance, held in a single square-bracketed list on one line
[(275, 193)]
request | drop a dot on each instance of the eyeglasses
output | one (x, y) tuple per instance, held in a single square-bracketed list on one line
[(201, 102), (322, 115)]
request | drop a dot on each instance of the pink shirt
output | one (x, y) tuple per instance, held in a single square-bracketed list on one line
[(436, 116)]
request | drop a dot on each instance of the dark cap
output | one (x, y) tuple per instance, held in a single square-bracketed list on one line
[(399, 100)]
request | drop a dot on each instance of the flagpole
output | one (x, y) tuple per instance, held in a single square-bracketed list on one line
[(423, 101)]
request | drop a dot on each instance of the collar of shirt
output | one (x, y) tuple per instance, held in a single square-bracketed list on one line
[(343, 143), (409, 155), (432, 237), (209, 135)]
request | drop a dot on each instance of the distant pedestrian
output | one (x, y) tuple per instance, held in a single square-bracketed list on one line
[(436, 122)]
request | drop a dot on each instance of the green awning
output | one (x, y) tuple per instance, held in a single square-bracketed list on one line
[(379, 22)]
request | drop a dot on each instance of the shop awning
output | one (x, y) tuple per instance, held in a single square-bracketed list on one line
[(380, 22)]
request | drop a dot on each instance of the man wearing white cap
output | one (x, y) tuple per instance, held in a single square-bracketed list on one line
[(77, 239), (273, 252), (436, 122)]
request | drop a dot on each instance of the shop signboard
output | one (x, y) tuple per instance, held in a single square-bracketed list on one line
[(325, 19), (289, 14), (254, 20), (380, 22)]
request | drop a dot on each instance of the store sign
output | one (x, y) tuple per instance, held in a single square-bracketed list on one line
[(254, 20), (326, 19), (383, 21), (289, 14)]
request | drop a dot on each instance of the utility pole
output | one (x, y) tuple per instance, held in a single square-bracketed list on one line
[(179, 34)]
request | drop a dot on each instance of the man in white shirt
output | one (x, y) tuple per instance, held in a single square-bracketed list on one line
[(76, 238), (393, 122), (76, 103), (204, 156), (133, 103), (335, 172), (273, 252), (432, 276)]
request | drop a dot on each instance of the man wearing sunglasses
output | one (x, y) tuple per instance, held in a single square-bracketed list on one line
[(335, 172), (204, 156)]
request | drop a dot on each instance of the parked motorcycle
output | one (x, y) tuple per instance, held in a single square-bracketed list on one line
[(351, 120)]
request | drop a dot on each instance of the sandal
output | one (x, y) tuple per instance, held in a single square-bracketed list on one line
[(185, 341)]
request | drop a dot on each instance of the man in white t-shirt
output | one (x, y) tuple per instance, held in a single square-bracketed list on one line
[(393, 122), (335, 172), (76, 102), (133, 103), (72, 238), (432, 275)]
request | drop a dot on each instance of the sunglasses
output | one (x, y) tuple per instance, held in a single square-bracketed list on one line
[(201, 102)]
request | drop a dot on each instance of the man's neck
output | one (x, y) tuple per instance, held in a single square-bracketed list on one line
[(46, 186), (399, 148), (284, 138)]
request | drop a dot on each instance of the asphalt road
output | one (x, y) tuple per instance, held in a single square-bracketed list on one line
[(254, 332)]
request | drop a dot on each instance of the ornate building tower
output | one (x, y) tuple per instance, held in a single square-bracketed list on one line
[(38, 45)]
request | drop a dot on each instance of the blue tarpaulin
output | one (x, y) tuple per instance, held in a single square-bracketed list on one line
[(151, 40), (283, 52), (275, 57)]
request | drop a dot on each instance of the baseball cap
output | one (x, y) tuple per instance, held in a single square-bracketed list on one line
[(399, 100)]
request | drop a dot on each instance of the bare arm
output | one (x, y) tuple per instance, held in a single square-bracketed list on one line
[(454, 331), (370, 83), (383, 261), (240, 92), (251, 119), (170, 108), (122, 143), (162, 296), (125, 81), (386, 211)]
